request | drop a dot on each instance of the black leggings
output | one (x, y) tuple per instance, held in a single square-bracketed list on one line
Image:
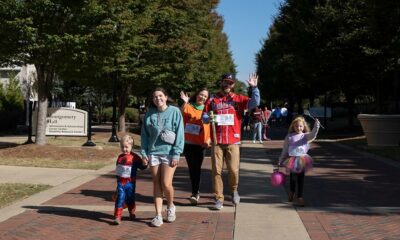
[(194, 155), (299, 178)]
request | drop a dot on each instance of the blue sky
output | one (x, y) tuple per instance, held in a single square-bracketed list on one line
[(246, 24)]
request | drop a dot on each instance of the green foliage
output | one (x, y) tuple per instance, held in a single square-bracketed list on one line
[(11, 98), (314, 47), (133, 45), (131, 115)]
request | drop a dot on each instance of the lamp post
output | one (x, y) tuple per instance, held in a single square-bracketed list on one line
[(89, 142), (29, 141), (114, 137)]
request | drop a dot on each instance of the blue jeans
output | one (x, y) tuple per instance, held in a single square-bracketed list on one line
[(257, 131)]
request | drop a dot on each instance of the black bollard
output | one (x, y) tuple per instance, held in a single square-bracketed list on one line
[(89, 142)]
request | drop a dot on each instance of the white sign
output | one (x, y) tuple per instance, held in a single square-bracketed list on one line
[(63, 122)]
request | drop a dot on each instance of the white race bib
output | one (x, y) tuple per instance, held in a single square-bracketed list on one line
[(124, 171), (192, 128), (297, 151), (224, 119)]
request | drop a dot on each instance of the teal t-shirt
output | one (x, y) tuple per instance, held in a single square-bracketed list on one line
[(151, 142)]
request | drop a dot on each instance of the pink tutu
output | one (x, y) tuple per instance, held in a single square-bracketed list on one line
[(298, 164)]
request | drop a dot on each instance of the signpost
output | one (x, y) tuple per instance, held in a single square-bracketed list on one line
[(64, 122)]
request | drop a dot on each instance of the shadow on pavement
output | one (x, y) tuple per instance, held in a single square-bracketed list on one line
[(74, 213)]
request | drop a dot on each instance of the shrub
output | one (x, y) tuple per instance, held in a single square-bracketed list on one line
[(11, 97), (131, 115)]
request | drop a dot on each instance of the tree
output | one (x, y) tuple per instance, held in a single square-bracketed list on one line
[(47, 34)]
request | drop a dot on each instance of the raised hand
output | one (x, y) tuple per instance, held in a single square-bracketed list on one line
[(253, 79), (184, 97)]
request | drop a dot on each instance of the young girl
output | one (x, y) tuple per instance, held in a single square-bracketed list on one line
[(294, 155)]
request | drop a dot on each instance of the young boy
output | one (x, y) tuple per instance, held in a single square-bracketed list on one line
[(127, 165)]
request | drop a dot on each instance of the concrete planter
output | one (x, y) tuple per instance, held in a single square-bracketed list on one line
[(381, 130)]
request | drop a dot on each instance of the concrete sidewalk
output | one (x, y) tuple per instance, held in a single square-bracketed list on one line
[(263, 212)]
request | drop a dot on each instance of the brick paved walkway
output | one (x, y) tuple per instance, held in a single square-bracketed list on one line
[(86, 212), (349, 195)]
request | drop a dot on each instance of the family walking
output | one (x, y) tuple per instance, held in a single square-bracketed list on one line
[(204, 120)]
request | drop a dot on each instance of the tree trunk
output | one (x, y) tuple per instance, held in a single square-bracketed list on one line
[(123, 101), (43, 83), (121, 122)]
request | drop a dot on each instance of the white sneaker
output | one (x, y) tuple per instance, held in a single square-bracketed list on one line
[(157, 221), (235, 198), (254, 141), (218, 205), (171, 216), (194, 199)]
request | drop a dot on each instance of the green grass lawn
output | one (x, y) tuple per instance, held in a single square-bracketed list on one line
[(11, 192)]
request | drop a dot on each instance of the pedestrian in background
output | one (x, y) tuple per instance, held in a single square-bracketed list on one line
[(265, 122), (257, 122)]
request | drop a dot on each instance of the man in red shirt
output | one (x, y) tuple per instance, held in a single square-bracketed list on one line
[(227, 108)]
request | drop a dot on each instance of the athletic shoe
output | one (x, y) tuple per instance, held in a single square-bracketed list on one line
[(290, 196), (117, 221), (194, 199), (235, 198), (157, 221), (218, 205), (300, 202), (171, 216)]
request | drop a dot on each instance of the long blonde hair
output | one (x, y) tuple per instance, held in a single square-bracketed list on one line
[(299, 119)]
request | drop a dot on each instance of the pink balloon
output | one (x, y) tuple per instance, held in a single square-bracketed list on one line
[(277, 178)]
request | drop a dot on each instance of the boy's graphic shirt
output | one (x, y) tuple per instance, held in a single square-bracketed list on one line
[(127, 165)]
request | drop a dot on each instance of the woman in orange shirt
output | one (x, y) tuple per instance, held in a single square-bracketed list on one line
[(197, 137)]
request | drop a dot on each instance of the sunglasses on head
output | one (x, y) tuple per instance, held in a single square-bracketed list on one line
[(227, 81)]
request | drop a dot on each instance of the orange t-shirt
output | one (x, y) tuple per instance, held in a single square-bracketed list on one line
[(196, 132)]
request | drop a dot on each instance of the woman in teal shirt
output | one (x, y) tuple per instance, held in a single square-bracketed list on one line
[(163, 157)]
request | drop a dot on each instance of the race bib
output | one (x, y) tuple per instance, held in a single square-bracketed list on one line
[(192, 129), (297, 151), (124, 171), (224, 119)]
